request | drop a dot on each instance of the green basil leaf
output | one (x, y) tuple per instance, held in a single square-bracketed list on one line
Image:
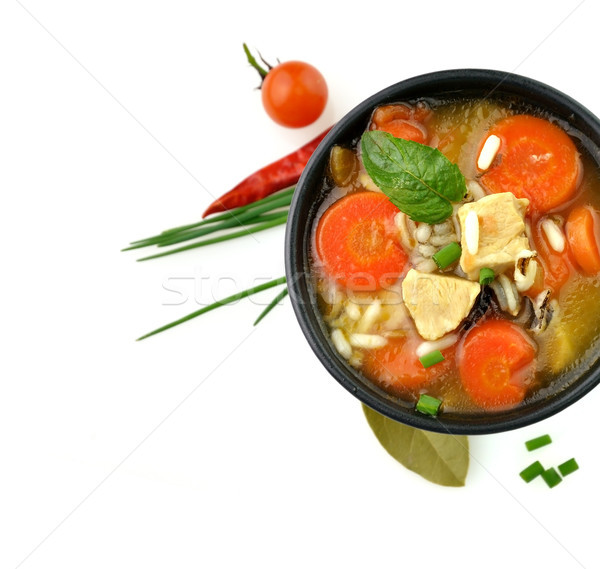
[(443, 459), (418, 179)]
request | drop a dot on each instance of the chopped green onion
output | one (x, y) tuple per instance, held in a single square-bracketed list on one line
[(532, 471), (228, 300), (486, 276), (428, 405), (538, 442), (568, 467), (551, 477), (448, 255), (272, 305), (431, 358)]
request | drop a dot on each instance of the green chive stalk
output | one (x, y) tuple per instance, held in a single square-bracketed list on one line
[(217, 304), (279, 220), (272, 305), (245, 213)]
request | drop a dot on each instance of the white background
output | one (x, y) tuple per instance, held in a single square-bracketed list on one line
[(217, 444)]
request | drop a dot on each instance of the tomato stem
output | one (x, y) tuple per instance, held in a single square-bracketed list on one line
[(269, 66), (252, 61)]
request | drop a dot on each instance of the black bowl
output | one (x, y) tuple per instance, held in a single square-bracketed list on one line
[(309, 195)]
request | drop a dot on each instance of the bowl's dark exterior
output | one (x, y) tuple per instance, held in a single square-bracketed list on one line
[(480, 83)]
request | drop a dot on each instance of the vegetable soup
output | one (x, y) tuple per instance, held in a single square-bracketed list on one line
[(457, 253)]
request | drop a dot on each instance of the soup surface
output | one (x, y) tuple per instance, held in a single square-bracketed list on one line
[(456, 253)]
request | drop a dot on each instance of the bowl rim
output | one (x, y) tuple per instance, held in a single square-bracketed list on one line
[(458, 82)]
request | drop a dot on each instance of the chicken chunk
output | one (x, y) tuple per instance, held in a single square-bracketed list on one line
[(437, 303), (501, 233)]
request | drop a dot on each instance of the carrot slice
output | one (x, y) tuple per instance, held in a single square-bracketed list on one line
[(388, 113), (357, 242), (397, 369), (537, 160), (557, 267), (539, 282), (496, 362), (402, 121), (582, 235)]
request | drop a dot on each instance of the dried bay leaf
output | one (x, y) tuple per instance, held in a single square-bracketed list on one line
[(442, 459)]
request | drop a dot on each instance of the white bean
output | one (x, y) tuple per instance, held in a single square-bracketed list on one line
[(475, 189), (331, 295), (341, 344), (554, 234), (441, 344), (426, 266), (525, 281), (353, 310), (488, 152), (472, 232), (423, 232), (443, 228), (525, 270), (511, 299), (426, 250), (367, 341), (441, 240), (369, 317)]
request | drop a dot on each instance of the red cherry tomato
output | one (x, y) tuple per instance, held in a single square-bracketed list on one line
[(294, 94)]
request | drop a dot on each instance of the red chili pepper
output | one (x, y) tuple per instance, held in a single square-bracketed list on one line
[(280, 174)]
